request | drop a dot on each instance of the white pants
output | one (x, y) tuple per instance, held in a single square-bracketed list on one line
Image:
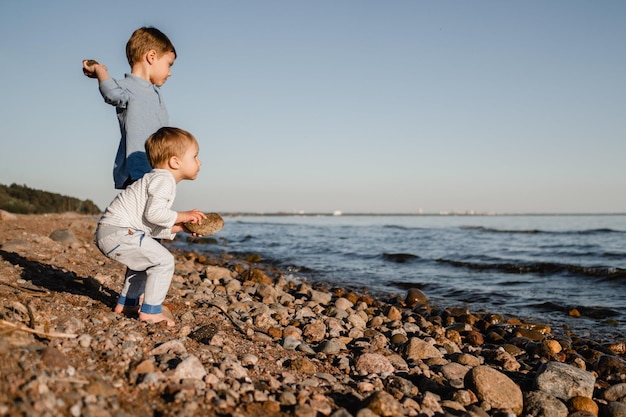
[(150, 266)]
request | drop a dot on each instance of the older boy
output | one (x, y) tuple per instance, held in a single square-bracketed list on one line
[(131, 225), (137, 99)]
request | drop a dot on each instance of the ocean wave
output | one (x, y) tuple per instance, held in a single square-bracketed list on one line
[(493, 230), (586, 311), (399, 258), (538, 231), (407, 228), (606, 273)]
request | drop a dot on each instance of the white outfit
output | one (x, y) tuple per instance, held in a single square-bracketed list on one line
[(127, 232)]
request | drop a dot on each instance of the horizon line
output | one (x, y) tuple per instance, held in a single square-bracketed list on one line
[(442, 214)]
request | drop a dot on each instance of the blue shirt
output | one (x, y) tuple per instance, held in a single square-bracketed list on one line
[(140, 112)]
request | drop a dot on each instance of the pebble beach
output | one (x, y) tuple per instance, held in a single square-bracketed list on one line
[(249, 341)]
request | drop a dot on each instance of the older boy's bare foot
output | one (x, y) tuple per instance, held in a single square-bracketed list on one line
[(129, 311), (158, 318)]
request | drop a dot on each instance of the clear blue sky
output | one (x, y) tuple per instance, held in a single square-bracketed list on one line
[(359, 106)]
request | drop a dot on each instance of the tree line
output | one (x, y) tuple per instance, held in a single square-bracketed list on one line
[(21, 199)]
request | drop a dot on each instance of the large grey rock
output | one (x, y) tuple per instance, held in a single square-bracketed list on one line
[(564, 381)]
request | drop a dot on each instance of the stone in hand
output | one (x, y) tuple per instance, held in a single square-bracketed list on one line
[(211, 225)]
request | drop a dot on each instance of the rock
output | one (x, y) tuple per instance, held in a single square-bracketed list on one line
[(384, 404), (16, 245), (373, 363), (418, 349), (190, 368), (217, 272), (542, 404), (209, 226), (415, 297), (495, 388), (431, 404), (63, 236), (505, 359), (474, 338), (314, 331), (343, 303), (172, 346), (615, 392), (303, 365), (234, 369), (258, 276), (266, 292), (53, 358), (304, 410), (321, 297), (249, 360), (204, 334), (454, 371), (579, 403), (610, 364), (356, 321), (393, 313), (564, 381), (332, 347), (394, 383), (614, 409)]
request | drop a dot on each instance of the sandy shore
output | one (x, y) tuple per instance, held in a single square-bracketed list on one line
[(249, 342)]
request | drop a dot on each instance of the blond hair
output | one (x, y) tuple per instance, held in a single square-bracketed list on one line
[(144, 39), (166, 143)]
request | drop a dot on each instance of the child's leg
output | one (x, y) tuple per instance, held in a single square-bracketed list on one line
[(159, 277), (130, 296)]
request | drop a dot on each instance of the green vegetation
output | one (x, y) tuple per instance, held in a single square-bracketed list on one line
[(23, 200)]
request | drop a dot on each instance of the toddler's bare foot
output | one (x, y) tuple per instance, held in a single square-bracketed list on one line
[(157, 318), (131, 311)]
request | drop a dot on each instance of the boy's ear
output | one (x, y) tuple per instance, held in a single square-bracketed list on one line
[(151, 56), (173, 162)]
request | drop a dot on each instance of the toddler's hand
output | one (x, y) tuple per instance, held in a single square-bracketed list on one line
[(192, 216)]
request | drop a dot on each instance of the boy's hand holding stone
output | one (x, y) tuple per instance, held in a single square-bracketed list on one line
[(89, 67)]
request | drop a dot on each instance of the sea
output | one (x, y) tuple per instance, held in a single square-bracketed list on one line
[(540, 268)]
